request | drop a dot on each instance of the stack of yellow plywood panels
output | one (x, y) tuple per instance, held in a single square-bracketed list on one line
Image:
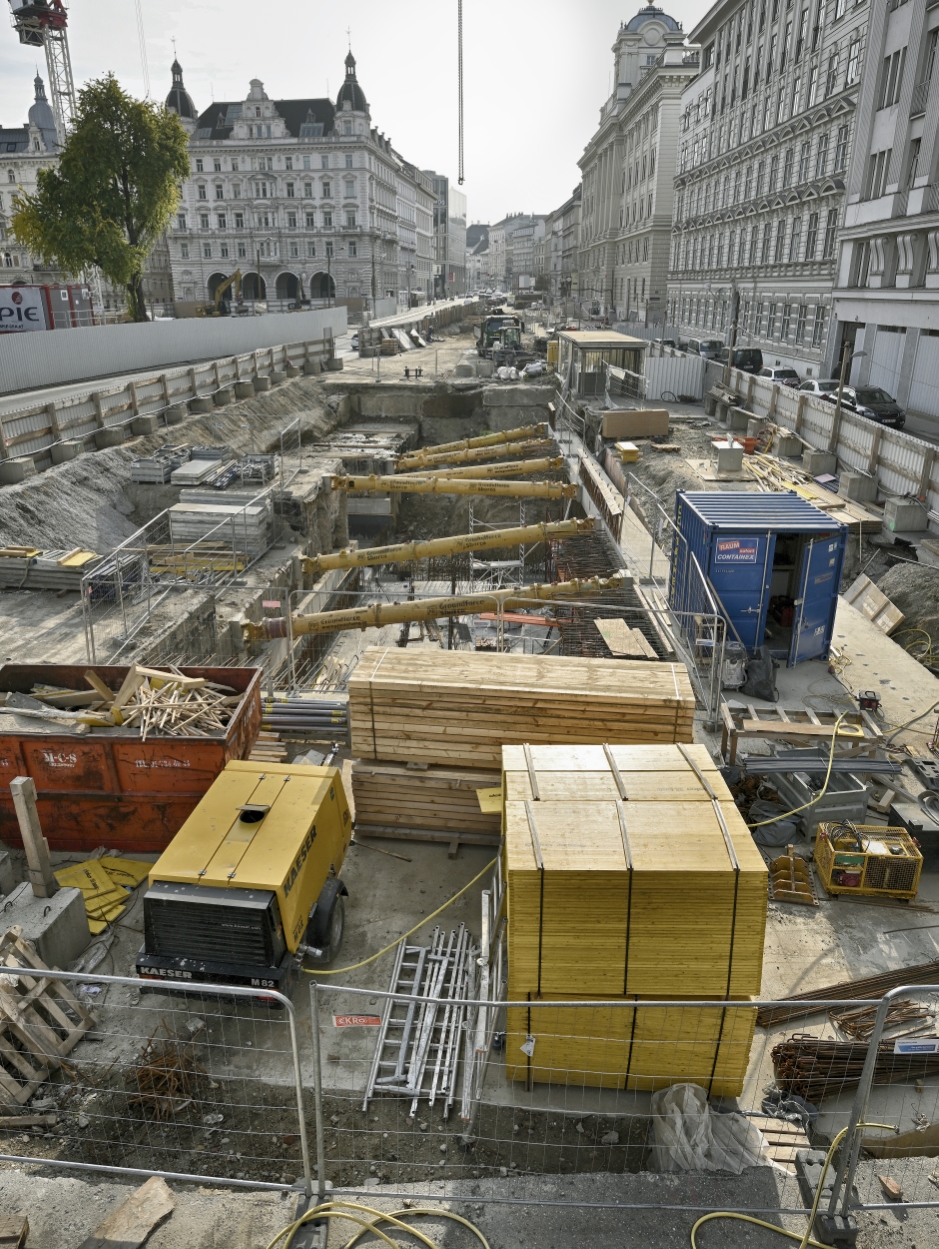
[(426, 802), (459, 708), (623, 885)]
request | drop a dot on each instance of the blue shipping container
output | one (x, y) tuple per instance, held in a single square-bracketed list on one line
[(772, 563)]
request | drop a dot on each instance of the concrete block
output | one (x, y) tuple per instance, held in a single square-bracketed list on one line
[(904, 516), (729, 457), (56, 926), (755, 426), (141, 425), (334, 366), (739, 419), (176, 414), (244, 390), (817, 463), (111, 436), (858, 487), (278, 376), (62, 452), (261, 384), (7, 879), (201, 404), (788, 444), (223, 397), (313, 368), (293, 370), (14, 471), (638, 423), (722, 410), (464, 370), (484, 368), (517, 396)]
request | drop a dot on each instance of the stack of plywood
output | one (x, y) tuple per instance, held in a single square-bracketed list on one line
[(457, 708), (630, 876), (424, 802)]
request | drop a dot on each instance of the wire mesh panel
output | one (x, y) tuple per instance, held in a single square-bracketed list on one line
[(564, 1089), (136, 1077)]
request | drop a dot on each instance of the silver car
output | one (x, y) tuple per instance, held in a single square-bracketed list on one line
[(819, 386)]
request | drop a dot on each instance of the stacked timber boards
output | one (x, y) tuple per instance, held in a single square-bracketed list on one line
[(459, 708), (623, 884), (426, 802)]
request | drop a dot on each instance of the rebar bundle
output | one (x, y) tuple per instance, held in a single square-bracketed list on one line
[(816, 1068)]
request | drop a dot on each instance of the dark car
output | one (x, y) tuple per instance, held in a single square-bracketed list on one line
[(874, 403), (748, 359)]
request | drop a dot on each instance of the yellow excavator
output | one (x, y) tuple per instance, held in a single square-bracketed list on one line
[(215, 309)]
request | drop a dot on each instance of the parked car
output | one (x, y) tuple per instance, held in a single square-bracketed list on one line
[(749, 359), (786, 377), (873, 403), (820, 386), (710, 348), (355, 342)]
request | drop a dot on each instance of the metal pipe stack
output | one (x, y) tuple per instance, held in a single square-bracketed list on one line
[(296, 716)]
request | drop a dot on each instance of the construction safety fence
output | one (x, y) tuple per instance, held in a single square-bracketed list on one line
[(446, 1087), (165, 397), (901, 464), (199, 1083), (164, 570)]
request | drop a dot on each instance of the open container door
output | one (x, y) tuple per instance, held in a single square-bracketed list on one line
[(822, 562), (740, 570)]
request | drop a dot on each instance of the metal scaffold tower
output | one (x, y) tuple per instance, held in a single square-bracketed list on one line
[(44, 24)]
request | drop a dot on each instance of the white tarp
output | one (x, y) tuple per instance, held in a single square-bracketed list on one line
[(689, 1136)]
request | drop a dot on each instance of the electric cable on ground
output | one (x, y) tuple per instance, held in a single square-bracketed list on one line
[(821, 794), (342, 1209), (316, 971), (806, 1238)]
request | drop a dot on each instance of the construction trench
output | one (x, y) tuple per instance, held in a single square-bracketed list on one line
[(204, 1085)]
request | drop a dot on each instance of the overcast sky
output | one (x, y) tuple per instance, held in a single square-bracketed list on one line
[(536, 73)]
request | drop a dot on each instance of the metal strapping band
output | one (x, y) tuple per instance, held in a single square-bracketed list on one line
[(535, 843), (531, 773), (621, 813), (539, 860), (616, 776), (371, 704), (715, 803)]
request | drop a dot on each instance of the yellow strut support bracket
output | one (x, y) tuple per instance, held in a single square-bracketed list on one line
[(455, 485)]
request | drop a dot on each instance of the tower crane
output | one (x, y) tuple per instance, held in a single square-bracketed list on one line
[(44, 24)]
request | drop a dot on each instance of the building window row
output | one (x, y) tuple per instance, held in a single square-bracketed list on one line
[(780, 321), (244, 164), (777, 242), (267, 249)]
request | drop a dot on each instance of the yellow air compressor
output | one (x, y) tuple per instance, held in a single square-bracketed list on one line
[(250, 883)]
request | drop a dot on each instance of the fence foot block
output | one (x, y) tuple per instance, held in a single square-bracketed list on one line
[(831, 1229)]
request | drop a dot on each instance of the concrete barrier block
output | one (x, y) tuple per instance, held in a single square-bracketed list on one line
[(788, 444), (904, 516), (464, 370), (858, 487), (261, 384), (141, 425), (224, 396), (62, 452), (201, 404), (176, 414), (244, 390), (14, 471), (278, 376), (484, 367), (313, 368), (56, 926), (818, 463), (334, 366), (110, 436), (292, 370), (739, 419), (7, 879)]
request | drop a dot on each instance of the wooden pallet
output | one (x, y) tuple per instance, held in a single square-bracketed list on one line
[(783, 1140), (14, 1229), (799, 725), (268, 748), (41, 1020)]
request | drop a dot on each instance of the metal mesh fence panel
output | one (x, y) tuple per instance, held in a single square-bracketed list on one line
[(199, 1081), (566, 1089)]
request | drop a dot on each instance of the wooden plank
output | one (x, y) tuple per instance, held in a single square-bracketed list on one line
[(14, 1229), (131, 1223), (624, 641)]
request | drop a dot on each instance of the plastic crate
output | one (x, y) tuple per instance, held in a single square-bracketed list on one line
[(867, 860)]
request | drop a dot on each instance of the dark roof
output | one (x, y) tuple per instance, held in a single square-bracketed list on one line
[(219, 118), (782, 511), (350, 89), (476, 234), (179, 99), (13, 140), (651, 13)]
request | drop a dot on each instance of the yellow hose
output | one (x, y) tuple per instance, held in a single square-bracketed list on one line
[(821, 794), (339, 1209), (315, 971), (806, 1238)]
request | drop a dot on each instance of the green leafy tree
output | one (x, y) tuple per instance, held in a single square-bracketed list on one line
[(113, 191)]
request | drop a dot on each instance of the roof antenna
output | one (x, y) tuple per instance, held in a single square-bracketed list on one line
[(173, 41), (349, 33)]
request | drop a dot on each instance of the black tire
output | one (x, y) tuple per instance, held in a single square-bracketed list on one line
[(336, 931), (328, 923)]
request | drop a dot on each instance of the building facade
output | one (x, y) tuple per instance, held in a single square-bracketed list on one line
[(628, 172), (886, 296), (304, 197), (512, 249), (449, 237), (767, 133)]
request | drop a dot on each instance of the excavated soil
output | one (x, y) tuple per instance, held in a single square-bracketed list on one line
[(914, 589)]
